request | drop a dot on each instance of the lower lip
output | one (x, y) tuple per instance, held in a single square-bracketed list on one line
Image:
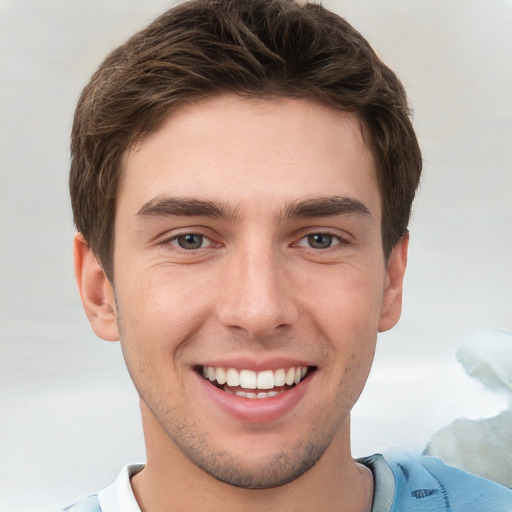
[(256, 410)]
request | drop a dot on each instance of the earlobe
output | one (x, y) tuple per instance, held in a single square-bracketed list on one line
[(392, 298), (96, 291)]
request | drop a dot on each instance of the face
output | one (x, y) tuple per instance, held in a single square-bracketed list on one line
[(250, 284)]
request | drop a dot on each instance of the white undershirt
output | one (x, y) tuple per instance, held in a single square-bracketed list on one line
[(119, 496)]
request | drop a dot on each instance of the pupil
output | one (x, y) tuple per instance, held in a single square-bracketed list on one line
[(190, 241), (320, 241)]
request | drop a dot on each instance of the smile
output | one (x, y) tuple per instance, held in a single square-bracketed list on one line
[(269, 383)]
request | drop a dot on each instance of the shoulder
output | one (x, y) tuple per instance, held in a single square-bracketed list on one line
[(426, 483)]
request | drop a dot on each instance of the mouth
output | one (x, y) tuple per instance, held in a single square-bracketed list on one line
[(255, 384)]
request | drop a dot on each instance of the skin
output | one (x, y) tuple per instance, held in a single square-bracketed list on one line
[(268, 282)]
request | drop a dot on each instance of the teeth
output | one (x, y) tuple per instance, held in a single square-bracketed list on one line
[(280, 377), (266, 379), (248, 394), (249, 379), (220, 375), (232, 377)]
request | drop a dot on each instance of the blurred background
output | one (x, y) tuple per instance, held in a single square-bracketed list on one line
[(69, 415)]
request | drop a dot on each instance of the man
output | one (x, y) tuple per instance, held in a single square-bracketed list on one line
[(242, 178)]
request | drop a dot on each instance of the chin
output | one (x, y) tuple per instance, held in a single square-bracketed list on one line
[(276, 470)]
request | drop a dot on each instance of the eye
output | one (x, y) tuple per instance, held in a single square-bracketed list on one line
[(191, 241), (319, 241)]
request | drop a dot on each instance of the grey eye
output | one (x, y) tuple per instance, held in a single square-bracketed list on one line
[(190, 241), (320, 241)]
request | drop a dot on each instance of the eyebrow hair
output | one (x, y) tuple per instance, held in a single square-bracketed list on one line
[(326, 207), (163, 206)]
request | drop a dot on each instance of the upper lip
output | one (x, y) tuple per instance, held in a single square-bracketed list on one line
[(257, 365)]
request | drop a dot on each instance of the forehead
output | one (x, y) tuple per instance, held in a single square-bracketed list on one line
[(248, 151)]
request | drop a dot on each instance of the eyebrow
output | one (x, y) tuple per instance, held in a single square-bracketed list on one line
[(164, 206), (329, 206), (326, 207)]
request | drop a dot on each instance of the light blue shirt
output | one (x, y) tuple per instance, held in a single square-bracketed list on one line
[(401, 484)]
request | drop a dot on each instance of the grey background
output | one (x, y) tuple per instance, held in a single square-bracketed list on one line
[(68, 413)]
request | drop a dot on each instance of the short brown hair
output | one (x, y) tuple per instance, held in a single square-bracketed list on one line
[(248, 47)]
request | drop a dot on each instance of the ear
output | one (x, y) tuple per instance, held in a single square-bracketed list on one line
[(96, 291), (392, 298)]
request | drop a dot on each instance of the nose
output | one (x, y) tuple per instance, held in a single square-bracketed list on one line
[(257, 295)]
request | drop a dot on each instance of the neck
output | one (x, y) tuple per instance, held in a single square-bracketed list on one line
[(170, 480)]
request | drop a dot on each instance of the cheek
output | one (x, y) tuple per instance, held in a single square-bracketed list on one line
[(349, 300), (347, 318), (163, 296), (157, 314)]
